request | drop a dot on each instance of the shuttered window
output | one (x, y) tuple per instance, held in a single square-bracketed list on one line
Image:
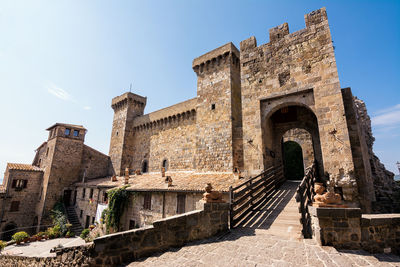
[(147, 201), (180, 207), (14, 206)]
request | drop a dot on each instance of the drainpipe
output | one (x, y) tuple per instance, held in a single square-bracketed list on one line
[(163, 205)]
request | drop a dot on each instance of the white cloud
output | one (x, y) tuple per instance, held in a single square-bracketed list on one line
[(87, 108), (58, 92), (387, 117)]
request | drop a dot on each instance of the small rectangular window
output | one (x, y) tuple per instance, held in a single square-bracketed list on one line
[(81, 214), (14, 206), (131, 224), (91, 193), (83, 192), (93, 218), (212, 106), (67, 131), (76, 133), (105, 197), (147, 201), (180, 207)]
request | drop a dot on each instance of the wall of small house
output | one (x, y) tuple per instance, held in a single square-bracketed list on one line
[(25, 216), (135, 209), (86, 206)]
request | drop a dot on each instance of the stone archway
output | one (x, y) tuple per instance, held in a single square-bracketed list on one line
[(295, 119)]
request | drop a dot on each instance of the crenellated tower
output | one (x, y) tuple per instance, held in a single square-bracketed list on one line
[(219, 118), (126, 108)]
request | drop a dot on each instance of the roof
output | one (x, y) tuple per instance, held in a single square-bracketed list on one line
[(66, 125), (181, 181), (23, 167)]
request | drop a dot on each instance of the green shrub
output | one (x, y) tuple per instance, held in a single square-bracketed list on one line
[(3, 244), (54, 232), (20, 236), (85, 233), (42, 234)]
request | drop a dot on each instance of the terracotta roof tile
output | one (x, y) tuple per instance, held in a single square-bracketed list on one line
[(181, 181), (23, 167)]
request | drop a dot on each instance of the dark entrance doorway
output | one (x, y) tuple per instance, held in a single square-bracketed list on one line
[(8, 231), (293, 161), (67, 197)]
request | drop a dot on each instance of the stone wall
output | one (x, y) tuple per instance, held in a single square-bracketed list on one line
[(172, 139), (86, 205), (123, 247), (165, 233), (218, 108), (94, 163), (347, 228), (296, 69), (163, 205), (380, 232), (387, 192), (27, 197)]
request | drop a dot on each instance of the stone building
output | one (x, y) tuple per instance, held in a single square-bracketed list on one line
[(249, 102), (30, 191)]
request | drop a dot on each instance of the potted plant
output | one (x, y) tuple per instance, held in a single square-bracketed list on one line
[(19, 237), (33, 238)]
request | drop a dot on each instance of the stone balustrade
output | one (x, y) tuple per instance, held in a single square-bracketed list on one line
[(347, 228)]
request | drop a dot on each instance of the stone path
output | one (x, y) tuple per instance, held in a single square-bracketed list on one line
[(247, 247), (271, 237), (41, 248)]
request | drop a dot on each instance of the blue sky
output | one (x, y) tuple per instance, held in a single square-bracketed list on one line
[(63, 61)]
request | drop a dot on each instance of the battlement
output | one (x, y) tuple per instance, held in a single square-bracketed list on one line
[(278, 32), (216, 57), (177, 112), (122, 100), (281, 31)]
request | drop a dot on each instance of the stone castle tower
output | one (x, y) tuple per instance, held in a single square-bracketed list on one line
[(61, 160), (126, 107), (218, 108)]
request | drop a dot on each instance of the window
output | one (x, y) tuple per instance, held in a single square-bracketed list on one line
[(147, 201), (165, 164), (132, 224), (93, 218), (83, 192), (180, 207), (105, 197), (76, 133), (81, 214), (145, 166), (67, 131), (91, 193), (212, 106), (47, 152), (19, 184), (14, 206)]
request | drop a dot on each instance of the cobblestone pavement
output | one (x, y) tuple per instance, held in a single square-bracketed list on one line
[(247, 247)]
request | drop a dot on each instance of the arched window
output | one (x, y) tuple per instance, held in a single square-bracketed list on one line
[(145, 166), (165, 164)]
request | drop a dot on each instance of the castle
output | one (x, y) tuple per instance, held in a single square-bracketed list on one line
[(249, 103)]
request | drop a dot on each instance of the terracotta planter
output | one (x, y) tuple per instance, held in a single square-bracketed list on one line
[(26, 240), (39, 238), (32, 239), (18, 242)]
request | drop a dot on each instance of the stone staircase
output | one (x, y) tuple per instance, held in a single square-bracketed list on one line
[(74, 220), (280, 215)]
